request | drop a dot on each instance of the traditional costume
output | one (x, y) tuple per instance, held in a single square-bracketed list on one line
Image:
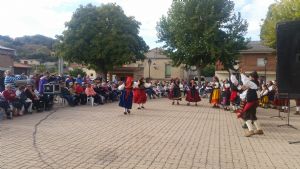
[(271, 93), (264, 97), (248, 113), (139, 93), (226, 96), (126, 95), (175, 92), (234, 96), (192, 93), (216, 93)]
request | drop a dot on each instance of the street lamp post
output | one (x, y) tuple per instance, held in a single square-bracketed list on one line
[(149, 63), (265, 62)]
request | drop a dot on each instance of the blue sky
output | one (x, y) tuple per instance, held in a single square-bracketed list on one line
[(47, 17)]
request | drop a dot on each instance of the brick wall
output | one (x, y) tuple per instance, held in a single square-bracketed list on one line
[(248, 62), (6, 61)]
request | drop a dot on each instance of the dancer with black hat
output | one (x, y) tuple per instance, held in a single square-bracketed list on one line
[(248, 114)]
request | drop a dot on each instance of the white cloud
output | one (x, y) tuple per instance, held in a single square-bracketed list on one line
[(47, 17), (148, 12), (32, 17), (253, 11)]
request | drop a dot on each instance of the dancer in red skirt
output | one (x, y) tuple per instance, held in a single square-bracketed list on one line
[(139, 93), (192, 93)]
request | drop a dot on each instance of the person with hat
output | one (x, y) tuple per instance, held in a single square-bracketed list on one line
[(126, 97), (248, 114)]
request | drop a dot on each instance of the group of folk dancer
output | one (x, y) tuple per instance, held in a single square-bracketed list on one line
[(231, 92), (134, 92), (242, 95)]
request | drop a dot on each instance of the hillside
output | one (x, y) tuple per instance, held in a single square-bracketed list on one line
[(31, 47)]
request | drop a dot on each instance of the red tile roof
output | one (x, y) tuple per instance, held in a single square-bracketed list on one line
[(20, 65)]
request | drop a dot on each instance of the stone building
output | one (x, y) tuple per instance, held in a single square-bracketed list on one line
[(156, 66)]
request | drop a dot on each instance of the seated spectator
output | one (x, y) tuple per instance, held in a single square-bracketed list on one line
[(33, 95), (69, 80), (5, 105), (79, 90), (66, 94), (26, 102), (10, 96), (101, 91), (90, 92)]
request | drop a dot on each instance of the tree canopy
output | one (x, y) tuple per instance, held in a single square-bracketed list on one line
[(102, 37), (200, 32), (284, 10)]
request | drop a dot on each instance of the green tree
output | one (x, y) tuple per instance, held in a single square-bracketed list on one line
[(208, 71), (76, 72), (284, 10), (40, 69), (200, 32), (102, 38)]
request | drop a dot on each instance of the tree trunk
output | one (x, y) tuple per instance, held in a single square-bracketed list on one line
[(104, 76), (228, 74), (199, 69)]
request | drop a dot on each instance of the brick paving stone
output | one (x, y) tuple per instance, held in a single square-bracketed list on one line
[(161, 136)]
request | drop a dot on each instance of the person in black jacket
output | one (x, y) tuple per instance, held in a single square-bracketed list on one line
[(248, 114), (38, 104), (65, 93)]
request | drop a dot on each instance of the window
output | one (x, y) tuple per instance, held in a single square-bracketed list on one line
[(260, 62), (167, 71), (25, 62)]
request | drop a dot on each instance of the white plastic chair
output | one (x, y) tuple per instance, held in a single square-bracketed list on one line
[(90, 100)]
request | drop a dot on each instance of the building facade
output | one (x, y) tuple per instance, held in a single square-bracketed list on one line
[(156, 66), (257, 57), (20, 68), (6, 58), (32, 62)]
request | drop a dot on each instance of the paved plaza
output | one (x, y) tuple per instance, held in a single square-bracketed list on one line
[(161, 136)]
